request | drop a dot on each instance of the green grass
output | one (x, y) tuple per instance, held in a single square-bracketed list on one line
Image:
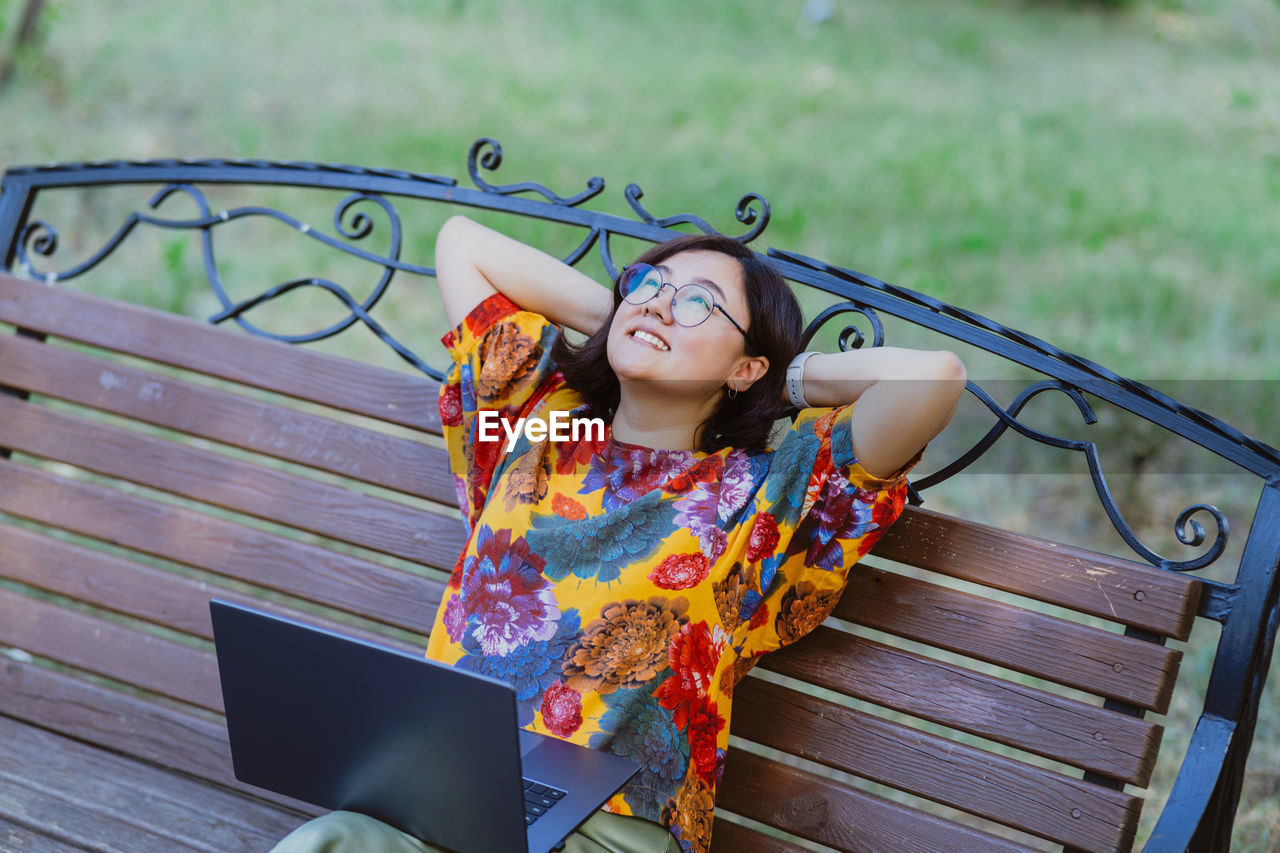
[(1107, 179), (1087, 174)]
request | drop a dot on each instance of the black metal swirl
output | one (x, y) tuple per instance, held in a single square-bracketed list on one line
[(585, 246), (1196, 536), (486, 153), (606, 258), (43, 240), (858, 339), (361, 224), (360, 227), (1007, 419), (359, 311), (745, 213)]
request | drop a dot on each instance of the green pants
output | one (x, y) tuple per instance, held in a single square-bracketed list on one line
[(348, 832)]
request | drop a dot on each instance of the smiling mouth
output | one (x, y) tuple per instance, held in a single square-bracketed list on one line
[(651, 339)]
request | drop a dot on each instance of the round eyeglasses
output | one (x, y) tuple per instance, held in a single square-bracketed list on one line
[(691, 304)]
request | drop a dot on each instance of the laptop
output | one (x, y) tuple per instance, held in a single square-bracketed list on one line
[(433, 750)]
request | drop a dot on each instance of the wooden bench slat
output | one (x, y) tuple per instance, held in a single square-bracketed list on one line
[(15, 838), (126, 724), (107, 833), (163, 598), (122, 586), (105, 648), (1085, 736), (840, 816), (1041, 802), (1120, 590), (87, 792), (297, 568), (1090, 659), (325, 509), (283, 433), (162, 337), (729, 837)]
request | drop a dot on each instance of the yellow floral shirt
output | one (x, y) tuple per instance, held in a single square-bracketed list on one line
[(623, 591)]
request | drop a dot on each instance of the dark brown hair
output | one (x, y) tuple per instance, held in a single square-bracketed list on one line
[(774, 329)]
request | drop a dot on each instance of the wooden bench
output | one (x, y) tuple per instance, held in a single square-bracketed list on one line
[(978, 689)]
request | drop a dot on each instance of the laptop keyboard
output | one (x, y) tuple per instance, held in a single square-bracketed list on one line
[(538, 798)]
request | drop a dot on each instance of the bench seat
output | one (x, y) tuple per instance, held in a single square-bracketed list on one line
[(64, 794)]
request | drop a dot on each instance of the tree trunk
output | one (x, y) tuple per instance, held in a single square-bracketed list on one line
[(28, 27)]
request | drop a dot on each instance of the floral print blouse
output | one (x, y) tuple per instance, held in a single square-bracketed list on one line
[(624, 590)]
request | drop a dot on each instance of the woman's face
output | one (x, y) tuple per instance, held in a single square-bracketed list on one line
[(647, 344)]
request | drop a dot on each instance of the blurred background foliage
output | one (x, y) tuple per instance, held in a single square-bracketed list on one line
[(1104, 175), (1097, 177)]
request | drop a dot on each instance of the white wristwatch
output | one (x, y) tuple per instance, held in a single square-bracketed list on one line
[(795, 379)]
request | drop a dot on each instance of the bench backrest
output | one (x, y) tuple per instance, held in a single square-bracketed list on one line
[(156, 461)]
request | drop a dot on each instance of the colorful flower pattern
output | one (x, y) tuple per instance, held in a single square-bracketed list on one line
[(505, 600), (681, 571), (623, 591), (561, 709), (626, 647)]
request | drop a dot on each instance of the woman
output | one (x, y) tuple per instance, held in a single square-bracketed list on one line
[(623, 583)]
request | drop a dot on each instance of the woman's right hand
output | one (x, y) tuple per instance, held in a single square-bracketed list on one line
[(473, 262)]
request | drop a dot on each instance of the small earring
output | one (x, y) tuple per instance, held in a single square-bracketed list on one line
[(733, 392)]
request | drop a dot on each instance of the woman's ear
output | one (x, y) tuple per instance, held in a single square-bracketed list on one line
[(750, 369)]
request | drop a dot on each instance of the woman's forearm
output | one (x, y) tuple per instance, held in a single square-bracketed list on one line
[(904, 398), (473, 262), (836, 379)]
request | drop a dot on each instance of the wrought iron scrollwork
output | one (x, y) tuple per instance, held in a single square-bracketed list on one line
[(352, 225), (851, 337), (486, 153), (42, 238), (360, 226), (585, 246), (606, 258), (1013, 344), (1189, 531), (359, 311), (745, 213)]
